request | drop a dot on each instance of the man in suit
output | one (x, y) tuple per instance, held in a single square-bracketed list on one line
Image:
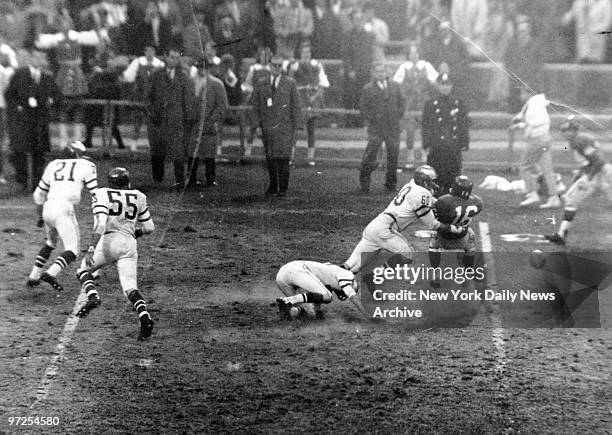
[(445, 132), (382, 106), (29, 95), (276, 109), (171, 99), (210, 108)]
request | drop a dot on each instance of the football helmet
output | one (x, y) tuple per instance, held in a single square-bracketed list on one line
[(119, 178), (74, 150), (571, 124), (426, 176), (461, 187)]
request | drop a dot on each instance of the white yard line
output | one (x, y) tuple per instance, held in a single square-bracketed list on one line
[(56, 361), (497, 331)]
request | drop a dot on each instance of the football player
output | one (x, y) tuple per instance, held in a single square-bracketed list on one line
[(308, 284), (412, 203), (58, 191), (457, 207), (121, 216), (594, 173)]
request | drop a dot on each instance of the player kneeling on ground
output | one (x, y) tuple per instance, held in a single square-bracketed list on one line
[(594, 173), (121, 216), (456, 208), (57, 192), (308, 284)]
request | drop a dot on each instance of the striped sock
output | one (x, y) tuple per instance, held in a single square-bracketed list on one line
[(41, 260), (87, 283), (61, 262), (139, 304)]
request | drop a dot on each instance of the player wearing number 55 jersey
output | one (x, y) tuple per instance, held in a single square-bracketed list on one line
[(58, 191), (456, 208), (121, 215), (413, 203)]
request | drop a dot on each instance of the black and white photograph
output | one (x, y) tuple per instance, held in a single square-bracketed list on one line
[(306, 216)]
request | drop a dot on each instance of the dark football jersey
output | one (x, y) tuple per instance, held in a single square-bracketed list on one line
[(456, 211), (585, 145)]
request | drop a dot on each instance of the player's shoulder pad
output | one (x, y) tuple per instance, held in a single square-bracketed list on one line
[(477, 201)]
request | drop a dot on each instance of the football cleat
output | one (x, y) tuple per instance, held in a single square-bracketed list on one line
[(33, 282), (146, 327), (555, 238), (93, 302), (52, 281)]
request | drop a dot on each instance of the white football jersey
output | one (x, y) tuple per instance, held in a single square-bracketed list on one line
[(125, 209), (64, 179), (330, 274), (412, 202)]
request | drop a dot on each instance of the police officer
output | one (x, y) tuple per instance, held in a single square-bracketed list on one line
[(445, 132)]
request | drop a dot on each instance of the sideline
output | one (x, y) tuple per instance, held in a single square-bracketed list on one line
[(56, 361), (497, 331)]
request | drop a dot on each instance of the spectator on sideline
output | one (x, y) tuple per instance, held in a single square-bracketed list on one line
[(7, 69), (445, 133), (470, 19), (30, 94), (276, 109), (209, 111), (171, 99), (104, 85), (382, 106)]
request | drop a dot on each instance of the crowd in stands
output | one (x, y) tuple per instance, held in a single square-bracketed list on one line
[(107, 49), (356, 31)]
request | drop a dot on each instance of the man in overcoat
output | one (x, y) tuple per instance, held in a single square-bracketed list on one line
[(29, 95), (171, 99), (210, 108), (276, 109), (382, 106)]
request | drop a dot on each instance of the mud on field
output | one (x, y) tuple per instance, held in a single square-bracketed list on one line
[(220, 360)]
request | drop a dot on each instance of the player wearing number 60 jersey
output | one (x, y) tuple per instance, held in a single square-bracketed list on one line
[(456, 208), (413, 203), (58, 191), (121, 215)]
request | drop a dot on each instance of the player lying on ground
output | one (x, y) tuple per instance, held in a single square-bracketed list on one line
[(58, 191), (308, 284), (455, 208), (121, 216), (413, 203), (594, 173)]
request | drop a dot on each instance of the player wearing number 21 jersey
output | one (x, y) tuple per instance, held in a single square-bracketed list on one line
[(121, 215), (412, 203), (58, 191), (456, 208)]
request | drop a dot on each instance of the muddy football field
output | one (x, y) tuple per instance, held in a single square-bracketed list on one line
[(220, 360)]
